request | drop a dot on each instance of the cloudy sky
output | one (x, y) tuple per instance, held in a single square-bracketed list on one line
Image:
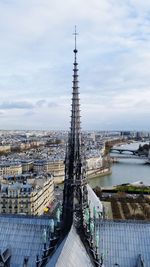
[(36, 56)]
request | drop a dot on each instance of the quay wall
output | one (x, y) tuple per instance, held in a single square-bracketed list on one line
[(90, 175)]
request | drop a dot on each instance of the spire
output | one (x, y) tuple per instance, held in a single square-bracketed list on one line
[(75, 37), (75, 190), (75, 112)]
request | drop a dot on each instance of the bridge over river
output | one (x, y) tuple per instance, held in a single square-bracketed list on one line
[(122, 150), (128, 154)]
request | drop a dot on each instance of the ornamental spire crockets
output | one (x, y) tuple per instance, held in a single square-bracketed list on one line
[(75, 112), (75, 199)]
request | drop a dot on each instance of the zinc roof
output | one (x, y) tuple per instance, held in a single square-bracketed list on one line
[(94, 201), (24, 237), (71, 252), (121, 243)]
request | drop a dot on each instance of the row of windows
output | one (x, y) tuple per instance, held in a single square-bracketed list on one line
[(15, 212), (15, 206), (4, 200)]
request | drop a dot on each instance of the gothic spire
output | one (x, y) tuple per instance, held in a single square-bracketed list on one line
[(75, 190), (75, 112)]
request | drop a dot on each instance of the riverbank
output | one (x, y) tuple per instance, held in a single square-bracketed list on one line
[(59, 179), (98, 173)]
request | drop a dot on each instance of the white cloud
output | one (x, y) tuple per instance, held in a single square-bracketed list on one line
[(16, 105), (36, 61)]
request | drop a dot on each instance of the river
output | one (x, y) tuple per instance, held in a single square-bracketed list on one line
[(125, 171)]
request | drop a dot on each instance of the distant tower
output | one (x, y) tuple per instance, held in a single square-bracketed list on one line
[(75, 195)]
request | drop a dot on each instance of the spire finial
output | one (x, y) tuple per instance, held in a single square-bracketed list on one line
[(75, 34)]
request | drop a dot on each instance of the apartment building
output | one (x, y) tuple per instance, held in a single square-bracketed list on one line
[(10, 168), (5, 148), (54, 167), (26, 197), (27, 165)]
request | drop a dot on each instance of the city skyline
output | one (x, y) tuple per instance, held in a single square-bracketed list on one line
[(36, 64)]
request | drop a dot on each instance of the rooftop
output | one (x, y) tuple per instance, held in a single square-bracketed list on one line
[(23, 235), (71, 252), (122, 242)]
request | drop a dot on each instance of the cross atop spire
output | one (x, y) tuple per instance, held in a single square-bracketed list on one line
[(75, 35)]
